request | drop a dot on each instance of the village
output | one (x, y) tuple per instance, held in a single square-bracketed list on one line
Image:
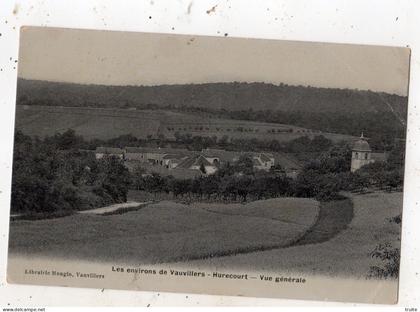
[(206, 162), (209, 160)]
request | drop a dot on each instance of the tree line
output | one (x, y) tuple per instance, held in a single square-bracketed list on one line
[(302, 145), (52, 178), (323, 178), (237, 181)]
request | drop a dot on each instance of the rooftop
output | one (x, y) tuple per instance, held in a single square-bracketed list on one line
[(196, 160), (108, 150), (361, 145)]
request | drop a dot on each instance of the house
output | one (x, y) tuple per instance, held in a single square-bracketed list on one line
[(154, 156), (292, 173), (223, 156), (199, 162), (212, 159), (288, 164), (101, 152), (263, 161), (145, 154), (134, 153), (172, 161)]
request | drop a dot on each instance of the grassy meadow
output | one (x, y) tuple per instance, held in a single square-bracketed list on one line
[(167, 231), (346, 254)]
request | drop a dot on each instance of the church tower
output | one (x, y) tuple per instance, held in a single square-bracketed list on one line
[(361, 154)]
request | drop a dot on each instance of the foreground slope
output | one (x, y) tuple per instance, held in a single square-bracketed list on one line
[(166, 232), (346, 254)]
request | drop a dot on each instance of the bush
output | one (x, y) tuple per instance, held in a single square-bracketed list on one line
[(390, 258), (323, 187), (397, 219)]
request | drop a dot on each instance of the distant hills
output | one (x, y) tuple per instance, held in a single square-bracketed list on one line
[(229, 96)]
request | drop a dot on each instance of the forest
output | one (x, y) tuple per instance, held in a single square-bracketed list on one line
[(233, 96)]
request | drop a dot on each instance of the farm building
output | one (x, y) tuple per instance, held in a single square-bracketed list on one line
[(155, 156), (290, 166), (263, 161), (222, 155), (172, 161), (100, 152), (199, 162), (134, 153), (151, 155)]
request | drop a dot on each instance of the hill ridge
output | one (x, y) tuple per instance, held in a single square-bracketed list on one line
[(223, 95)]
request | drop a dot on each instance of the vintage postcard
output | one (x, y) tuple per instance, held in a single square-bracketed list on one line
[(208, 165)]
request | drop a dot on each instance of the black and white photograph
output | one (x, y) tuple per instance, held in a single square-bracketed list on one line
[(267, 167)]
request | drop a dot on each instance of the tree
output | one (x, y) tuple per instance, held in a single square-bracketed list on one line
[(396, 156), (224, 140), (243, 186), (123, 141), (66, 140), (390, 262), (244, 165), (320, 143), (275, 145), (202, 168), (209, 185), (116, 179), (394, 178), (360, 181), (137, 178)]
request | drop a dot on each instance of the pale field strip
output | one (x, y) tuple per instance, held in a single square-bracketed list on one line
[(113, 208)]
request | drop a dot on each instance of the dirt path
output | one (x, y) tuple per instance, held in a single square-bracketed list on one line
[(332, 220), (123, 207)]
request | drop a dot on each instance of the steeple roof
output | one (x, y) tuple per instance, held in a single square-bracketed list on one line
[(361, 145)]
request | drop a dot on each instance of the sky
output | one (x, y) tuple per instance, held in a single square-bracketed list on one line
[(130, 58)]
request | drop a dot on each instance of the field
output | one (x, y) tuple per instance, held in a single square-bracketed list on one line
[(346, 254), (286, 234), (168, 231), (106, 123)]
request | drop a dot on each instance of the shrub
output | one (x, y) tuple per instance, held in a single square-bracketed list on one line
[(390, 258), (397, 219)]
